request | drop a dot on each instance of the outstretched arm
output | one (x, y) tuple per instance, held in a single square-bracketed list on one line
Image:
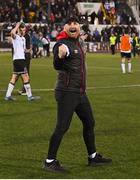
[(14, 30)]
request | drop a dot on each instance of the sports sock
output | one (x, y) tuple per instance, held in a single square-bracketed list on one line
[(123, 68), (92, 155), (129, 67), (28, 89), (10, 89)]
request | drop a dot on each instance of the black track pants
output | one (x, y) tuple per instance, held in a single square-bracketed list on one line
[(67, 104)]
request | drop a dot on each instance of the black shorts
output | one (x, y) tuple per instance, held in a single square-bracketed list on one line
[(125, 55), (19, 66)]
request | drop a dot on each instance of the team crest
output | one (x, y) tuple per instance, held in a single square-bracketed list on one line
[(75, 51)]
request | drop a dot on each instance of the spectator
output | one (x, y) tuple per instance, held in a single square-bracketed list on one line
[(54, 33), (40, 45), (112, 43), (34, 40)]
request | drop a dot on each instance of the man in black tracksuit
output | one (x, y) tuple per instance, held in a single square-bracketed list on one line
[(69, 60)]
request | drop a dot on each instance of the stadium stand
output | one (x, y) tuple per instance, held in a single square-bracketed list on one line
[(36, 11), (47, 16)]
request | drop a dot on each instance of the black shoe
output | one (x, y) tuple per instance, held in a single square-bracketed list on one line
[(54, 166), (98, 159)]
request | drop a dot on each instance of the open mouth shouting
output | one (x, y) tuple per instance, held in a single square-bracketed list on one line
[(73, 29)]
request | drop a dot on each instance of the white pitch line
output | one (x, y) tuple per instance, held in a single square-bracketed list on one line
[(88, 88), (112, 87), (101, 87), (88, 67)]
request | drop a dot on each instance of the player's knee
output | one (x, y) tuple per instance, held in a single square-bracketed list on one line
[(25, 78), (61, 131), (14, 79), (123, 60), (129, 60)]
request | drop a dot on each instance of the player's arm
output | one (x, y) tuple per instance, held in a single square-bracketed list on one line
[(14, 30), (61, 54), (28, 50), (84, 36), (82, 39)]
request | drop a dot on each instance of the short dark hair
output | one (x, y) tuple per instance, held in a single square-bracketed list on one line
[(126, 30), (71, 19), (22, 25)]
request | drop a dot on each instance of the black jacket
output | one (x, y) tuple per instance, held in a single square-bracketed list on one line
[(71, 69)]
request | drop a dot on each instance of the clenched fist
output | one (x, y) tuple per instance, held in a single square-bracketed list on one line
[(62, 51)]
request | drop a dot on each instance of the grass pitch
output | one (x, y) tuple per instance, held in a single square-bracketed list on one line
[(25, 127)]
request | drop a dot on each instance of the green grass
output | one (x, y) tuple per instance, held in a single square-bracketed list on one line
[(25, 127)]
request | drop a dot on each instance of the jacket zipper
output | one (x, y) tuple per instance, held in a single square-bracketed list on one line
[(67, 79), (82, 88)]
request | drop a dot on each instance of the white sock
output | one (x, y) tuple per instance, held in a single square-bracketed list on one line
[(10, 89), (92, 155), (28, 89), (123, 68), (129, 67), (49, 160)]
